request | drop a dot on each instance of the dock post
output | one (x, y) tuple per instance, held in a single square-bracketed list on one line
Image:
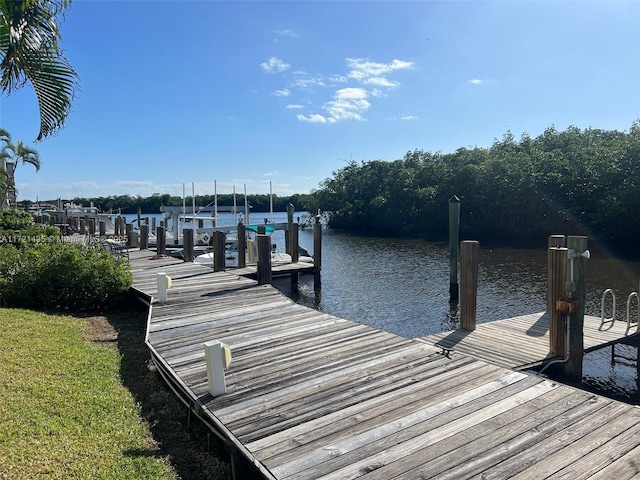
[(264, 259), (92, 226), (82, 226), (187, 242), (289, 245), (102, 227), (144, 237), (219, 259), (295, 253), (454, 229), (468, 283), (242, 246), (554, 241), (161, 240), (217, 357), (577, 246), (556, 289), (317, 254), (164, 283), (153, 225), (128, 229)]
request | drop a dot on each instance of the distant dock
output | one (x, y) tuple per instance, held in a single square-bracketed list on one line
[(310, 395)]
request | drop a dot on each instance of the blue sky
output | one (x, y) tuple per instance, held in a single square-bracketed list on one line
[(250, 92)]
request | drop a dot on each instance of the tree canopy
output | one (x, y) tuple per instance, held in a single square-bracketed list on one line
[(516, 191)]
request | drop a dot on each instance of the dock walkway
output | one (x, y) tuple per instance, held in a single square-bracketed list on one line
[(523, 342), (310, 395)]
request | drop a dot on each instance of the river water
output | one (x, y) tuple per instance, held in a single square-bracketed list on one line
[(402, 286)]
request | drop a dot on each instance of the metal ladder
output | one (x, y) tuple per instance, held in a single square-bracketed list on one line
[(603, 320)]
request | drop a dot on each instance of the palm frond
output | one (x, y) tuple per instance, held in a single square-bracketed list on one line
[(29, 41)]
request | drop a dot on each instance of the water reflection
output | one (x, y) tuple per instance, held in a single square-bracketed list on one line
[(402, 286)]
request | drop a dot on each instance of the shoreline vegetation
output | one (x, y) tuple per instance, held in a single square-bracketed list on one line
[(515, 193)]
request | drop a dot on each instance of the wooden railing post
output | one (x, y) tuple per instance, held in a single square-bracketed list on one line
[(556, 289), (468, 284), (219, 253), (187, 244), (264, 259)]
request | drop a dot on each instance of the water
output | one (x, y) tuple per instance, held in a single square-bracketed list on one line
[(402, 286)]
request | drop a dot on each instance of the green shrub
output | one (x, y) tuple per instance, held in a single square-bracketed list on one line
[(63, 276), (15, 219)]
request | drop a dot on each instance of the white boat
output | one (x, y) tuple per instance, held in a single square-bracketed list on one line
[(231, 256)]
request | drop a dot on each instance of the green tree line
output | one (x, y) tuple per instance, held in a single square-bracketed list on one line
[(131, 203), (515, 192)]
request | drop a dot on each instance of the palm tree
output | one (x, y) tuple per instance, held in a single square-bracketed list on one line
[(29, 52), (10, 155)]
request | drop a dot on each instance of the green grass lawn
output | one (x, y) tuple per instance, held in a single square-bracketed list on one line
[(64, 412)]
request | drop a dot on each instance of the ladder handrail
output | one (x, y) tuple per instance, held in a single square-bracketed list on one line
[(635, 324), (613, 313)]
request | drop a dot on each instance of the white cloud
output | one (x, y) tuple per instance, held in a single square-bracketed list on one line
[(274, 65), (364, 70), (475, 81), (306, 81), (409, 117), (314, 118), (347, 104), (369, 80), (351, 93), (286, 33)]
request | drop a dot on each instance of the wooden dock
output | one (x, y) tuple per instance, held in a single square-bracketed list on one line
[(310, 395), (523, 342)]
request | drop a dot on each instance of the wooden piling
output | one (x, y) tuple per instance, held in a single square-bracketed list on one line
[(469, 250), (161, 241), (82, 226), (553, 241), (264, 259), (454, 228), (92, 226), (573, 368), (295, 254), (153, 224), (144, 237), (242, 246), (317, 254), (128, 231), (295, 250), (187, 241), (287, 238), (219, 253), (102, 228), (556, 289)]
